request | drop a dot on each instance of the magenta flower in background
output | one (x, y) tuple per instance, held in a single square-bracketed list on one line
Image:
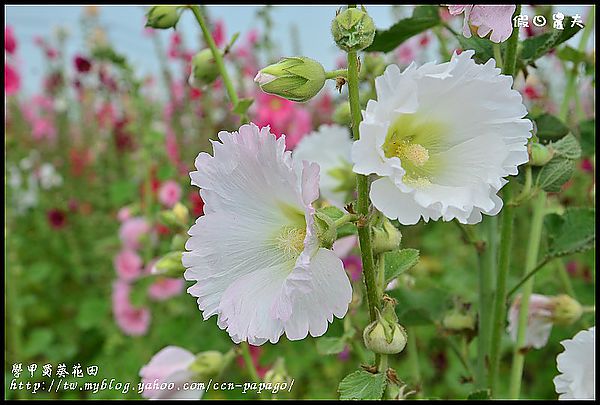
[(486, 19), (132, 230), (128, 265), (353, 266), (169, 193), (12, 81), (57, 218), (10, 43), (218, 33), (124, 214), (165, 288), (43, 128), (132, 321), (82, 64)]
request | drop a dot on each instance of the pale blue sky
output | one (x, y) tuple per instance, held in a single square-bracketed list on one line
[(125, 25)]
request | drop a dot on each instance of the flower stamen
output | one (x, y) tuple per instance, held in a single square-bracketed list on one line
[(291, 240)]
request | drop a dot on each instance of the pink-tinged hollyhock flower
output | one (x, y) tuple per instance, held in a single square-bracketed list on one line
[(218, 33), (539, 322), (82, 64), (128, 265), (12, 81), (343, 246), (165, 288), (10, 43), (170, 365), (169, 193), (486, 19), (57, 218), (132, 321), (124, 214), (132, 230)]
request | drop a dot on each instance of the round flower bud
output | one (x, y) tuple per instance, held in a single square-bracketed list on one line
[(566, 310), (341, 115), (373, 66), (539, 154), (181, 213), (296, 78), (204, 69), (353, 30), (326, 229), (178, 242), (162, 17), (385, 338), (207, 364), (386, 238), (457, 321)]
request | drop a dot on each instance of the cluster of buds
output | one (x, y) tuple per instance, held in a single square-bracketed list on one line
[(385, 335)]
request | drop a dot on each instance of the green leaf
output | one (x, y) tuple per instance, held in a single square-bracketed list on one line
[(572, 232), (484, 48), (550, 127), (535, 47), (423, 18), (568, 53), (479, 394), (554, 174), (398, 262), (332, 212), (243, 105), (38, 342), (166, 172), (362, 385), (567, 147), (91, 312), (415, 317), (587, 135), (330, 345)]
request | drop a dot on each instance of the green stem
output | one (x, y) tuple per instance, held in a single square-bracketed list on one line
[(336, 73), (570, 90), (413, 358), (533, 247), (362, 183), (564, 278), (249, 363), (508, 68), (345, 219), (527, 276), (218, 59), (464, 360), (498, 55)]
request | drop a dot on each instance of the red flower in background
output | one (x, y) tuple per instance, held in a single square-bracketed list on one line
[(82, 64), (57, 218), (197, 204), (10, 43), (124, 141), (255, 353)]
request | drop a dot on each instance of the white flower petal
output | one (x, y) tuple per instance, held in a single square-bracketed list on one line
[(577, 365)]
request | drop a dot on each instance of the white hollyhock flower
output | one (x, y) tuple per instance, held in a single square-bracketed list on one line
[(168, 374), (330, 147), (442, 137), (539, 320), (577, 365), (255, 254)]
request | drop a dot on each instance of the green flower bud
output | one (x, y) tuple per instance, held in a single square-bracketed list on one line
[(296, 78), (207, 364), (539, 154), (178, 242), (566, 310), (204, 69), (373, 66), (458, 321), (326, 229), (169, 265), (385, 335), (353, 30), (162, 17), (342, 115), (386, 237)]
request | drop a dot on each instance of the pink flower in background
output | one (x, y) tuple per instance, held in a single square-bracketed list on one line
[(132, 321), (539, 322), (297, 128), (10, 43), (353, 266), (172, 147), (43, 128), (494, 19), (344, 355), (106, 115), (12, 81), (169, 193), (218, 33), (124, 214), (132, 230), (128, 265), (165, 288), (255, 353), (343, 246), (170, 365)]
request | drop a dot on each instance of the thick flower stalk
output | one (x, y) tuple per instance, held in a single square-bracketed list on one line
[(442, 138), (255, 253)]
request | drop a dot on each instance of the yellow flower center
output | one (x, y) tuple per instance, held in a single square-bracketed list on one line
[(415, 153), (291, 240)]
